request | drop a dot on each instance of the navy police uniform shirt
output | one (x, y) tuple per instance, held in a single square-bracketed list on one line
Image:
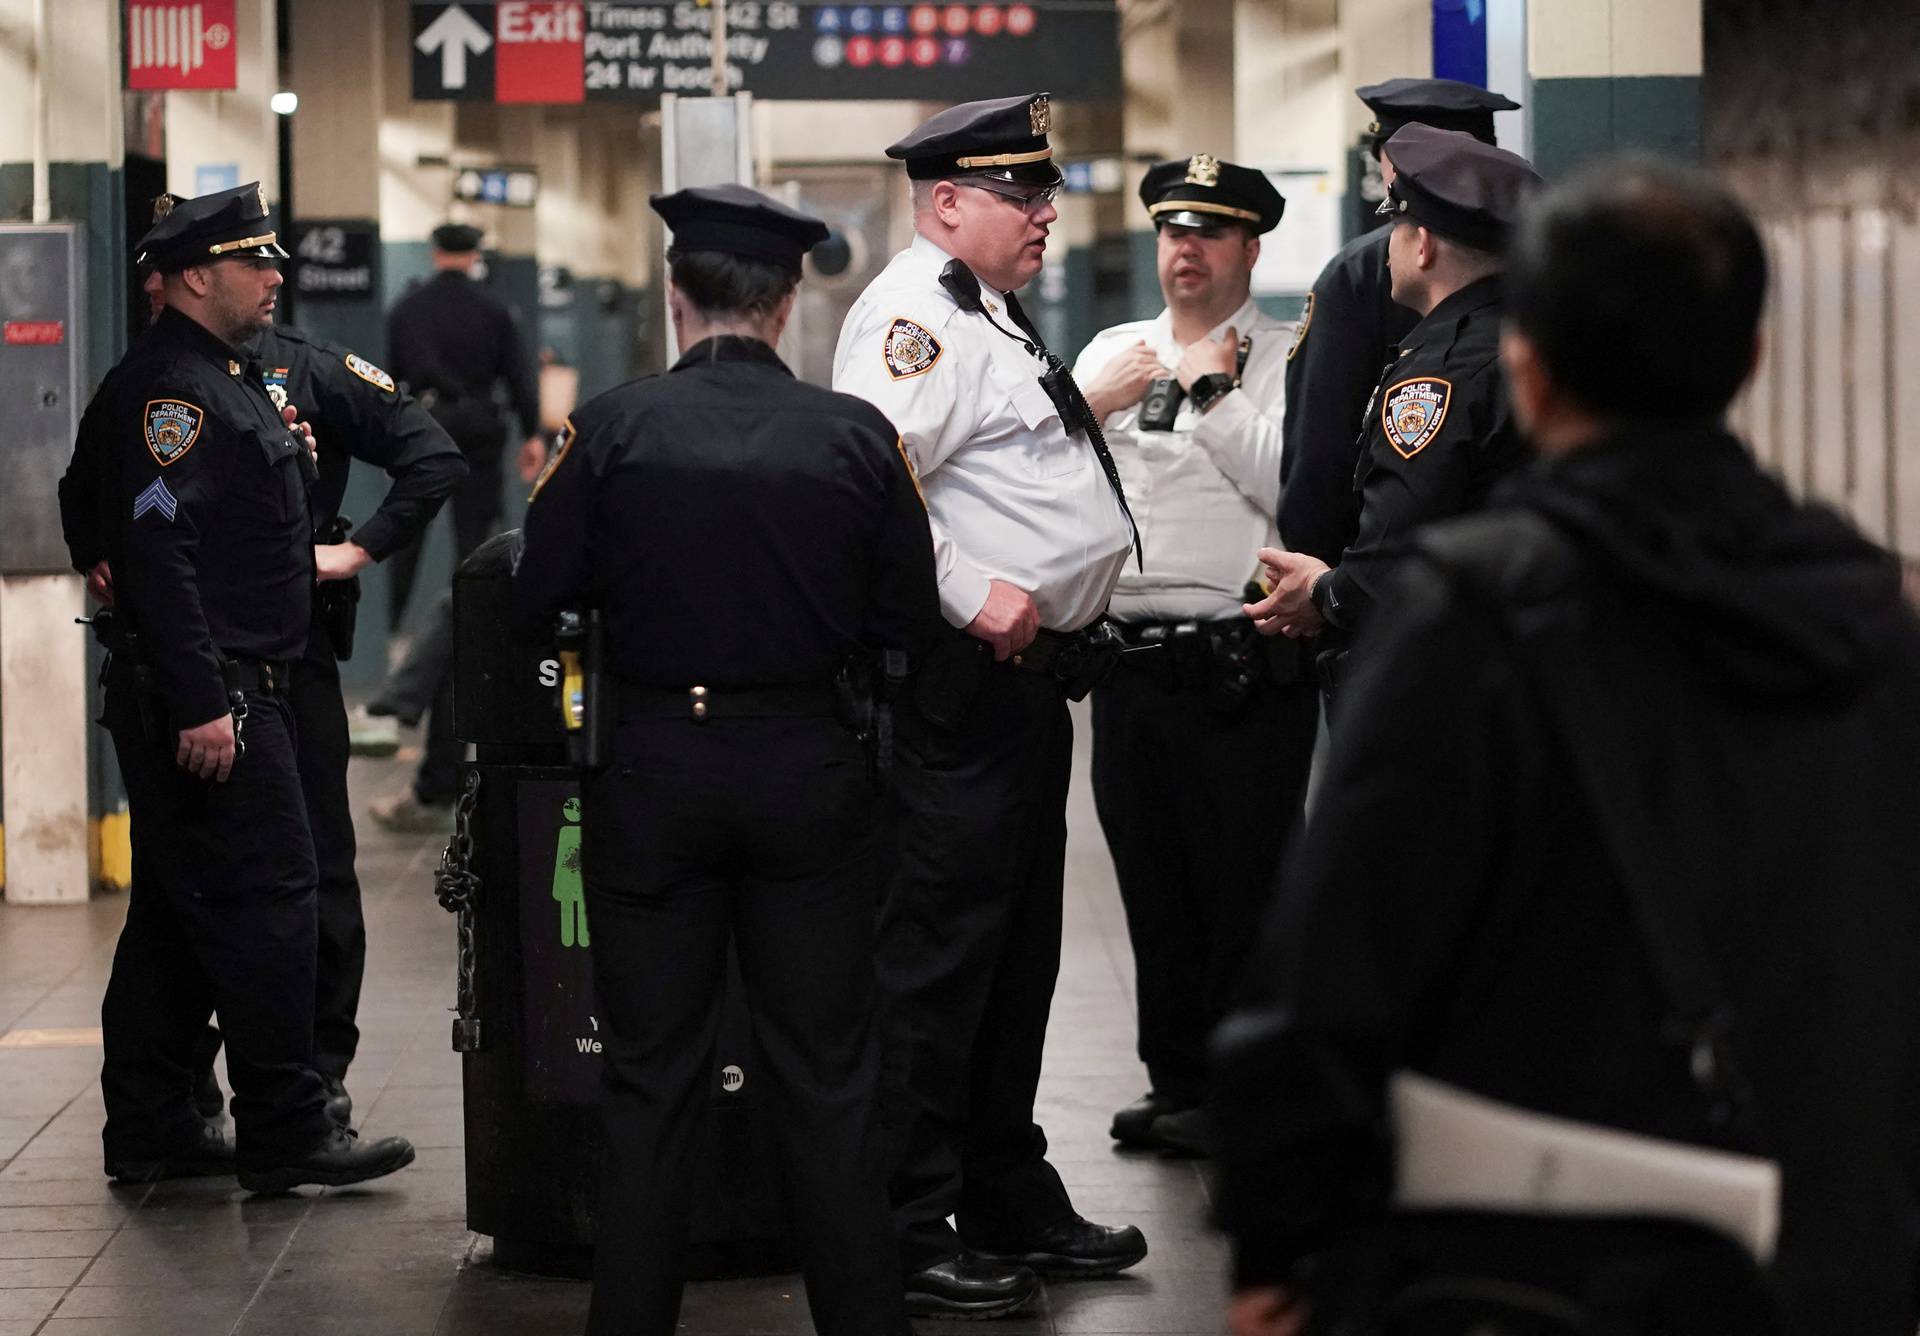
[(1348, 331), (738, 527), (210, 537), (1438, 435), (455, 338)]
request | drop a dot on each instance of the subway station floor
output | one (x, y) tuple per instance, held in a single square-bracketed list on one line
[(394, 1258)]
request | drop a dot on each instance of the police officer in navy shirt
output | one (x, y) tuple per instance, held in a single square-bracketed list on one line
[(1352, 325), (358, 413), (209, 538), (745, 535)]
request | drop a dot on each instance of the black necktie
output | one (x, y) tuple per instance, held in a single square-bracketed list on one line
[(1084, 412)]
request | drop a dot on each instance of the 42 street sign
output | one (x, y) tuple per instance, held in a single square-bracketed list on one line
[(589, 50)]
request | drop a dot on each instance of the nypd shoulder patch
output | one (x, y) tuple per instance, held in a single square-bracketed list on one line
[(368, 372), (172, 426), (1300, 333), (1413, 412), (567, 435), (911, 349), (156, 497)]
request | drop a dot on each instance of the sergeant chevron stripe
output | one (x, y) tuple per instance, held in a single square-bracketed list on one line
[(156, 497)]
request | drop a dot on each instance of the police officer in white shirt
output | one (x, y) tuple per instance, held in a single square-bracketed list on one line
[(1030, 529), (1191, 745)]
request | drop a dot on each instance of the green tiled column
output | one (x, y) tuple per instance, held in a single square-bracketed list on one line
[(1612, 75)]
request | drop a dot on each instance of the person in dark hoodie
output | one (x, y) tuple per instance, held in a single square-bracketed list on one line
[(1645, 665)]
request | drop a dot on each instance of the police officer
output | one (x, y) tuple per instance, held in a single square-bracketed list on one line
[(454, 344), (1438, 433), (1030, 531), (1352, 326), (210, 545), (1200, 751), (744, 534), (357, 412)]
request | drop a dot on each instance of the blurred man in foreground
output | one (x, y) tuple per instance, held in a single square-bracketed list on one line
[(1647, 676)]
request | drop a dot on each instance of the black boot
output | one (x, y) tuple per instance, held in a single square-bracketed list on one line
[(1069, 1247), (206, 1154), (967, 1287), (339, 1102), (337, 1161), (1133, 1125)]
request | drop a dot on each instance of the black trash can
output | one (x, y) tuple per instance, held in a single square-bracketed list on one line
[(526, 1025)]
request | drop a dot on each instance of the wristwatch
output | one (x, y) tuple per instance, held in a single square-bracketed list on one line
[(1209, 390)]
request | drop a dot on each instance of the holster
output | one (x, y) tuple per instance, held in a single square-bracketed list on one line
[(864, 691)]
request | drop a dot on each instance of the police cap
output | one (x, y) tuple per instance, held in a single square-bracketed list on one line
[(456, 238), (1452, 184), (1004, 138), (226, 224), (1445, 104), (737, 221), (1203, 191)]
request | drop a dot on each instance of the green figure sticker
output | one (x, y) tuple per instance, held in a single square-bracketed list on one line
[(568, 889)]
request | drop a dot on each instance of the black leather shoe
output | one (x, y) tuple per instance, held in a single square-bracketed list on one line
[(1133, 1125), (339, 1102), (207, 1097), (1189, 1134), (339, 1160), (1073, 1247), (969, 1287), (209, 1155)]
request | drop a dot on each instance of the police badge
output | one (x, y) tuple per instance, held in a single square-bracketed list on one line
[(172, 426), (1203, 169), (911, 350), (1413, 412)]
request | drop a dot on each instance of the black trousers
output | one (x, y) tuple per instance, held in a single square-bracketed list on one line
[(1196, 806), (476, 517), (969, 953), (320, 716), (762, 831), (221, 918)]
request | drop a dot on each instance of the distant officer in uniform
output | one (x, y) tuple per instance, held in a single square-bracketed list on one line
[(1439, 433), (1030, 531), (745, 535), (1645, 687), (1201, 750), (357, 413), (454, 344), (210, 548), (1352, 326)]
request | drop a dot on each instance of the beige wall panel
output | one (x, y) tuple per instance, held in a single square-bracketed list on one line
[(1868, 371), (799, 133), (1789, 457), (1903, 461), (413, 199), (83, 105), (1569, 38), (1379, 40), (237, 126), (1655, 37), (1827, 276), (1290, 93), (335, 67)]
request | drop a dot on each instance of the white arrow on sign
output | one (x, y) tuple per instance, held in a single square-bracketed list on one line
[(453, 34)]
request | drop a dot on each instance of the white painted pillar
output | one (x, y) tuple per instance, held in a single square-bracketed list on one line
[(43, 739)]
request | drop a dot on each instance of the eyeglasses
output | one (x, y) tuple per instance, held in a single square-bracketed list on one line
[(1029, 200)]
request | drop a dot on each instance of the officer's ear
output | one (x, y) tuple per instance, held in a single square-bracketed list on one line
[(198, 278), (945, 198)]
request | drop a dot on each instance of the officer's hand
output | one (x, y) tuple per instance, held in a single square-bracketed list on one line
[(1008, 621), (533, 457), (207, 750), (1266, 1310), (291, 416), (1122, 382), (1207, 358), (1289, 609), (339, 561), (100, 584)]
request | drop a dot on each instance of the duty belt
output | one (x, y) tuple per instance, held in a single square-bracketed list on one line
[(1079, 660), (701, 703), (268, 675)]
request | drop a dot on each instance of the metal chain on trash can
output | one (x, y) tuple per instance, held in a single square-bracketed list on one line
[(457, 887)]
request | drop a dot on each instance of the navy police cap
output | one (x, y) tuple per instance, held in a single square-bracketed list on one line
[(456, 238), (1445, 104), (737, 221), (1004, 138), (1203, 191), (1453, 184), (228, 224)]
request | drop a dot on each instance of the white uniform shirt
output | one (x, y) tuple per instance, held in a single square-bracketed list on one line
[(1011, 496), (1205, 493)]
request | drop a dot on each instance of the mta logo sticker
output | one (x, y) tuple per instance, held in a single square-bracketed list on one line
[(1413, 412), (911, 350), (368, 372), (172, 426), (156, 497)]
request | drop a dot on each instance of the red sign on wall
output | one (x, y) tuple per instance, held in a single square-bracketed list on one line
[(541, 52), (35, 333), (181, 44)]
